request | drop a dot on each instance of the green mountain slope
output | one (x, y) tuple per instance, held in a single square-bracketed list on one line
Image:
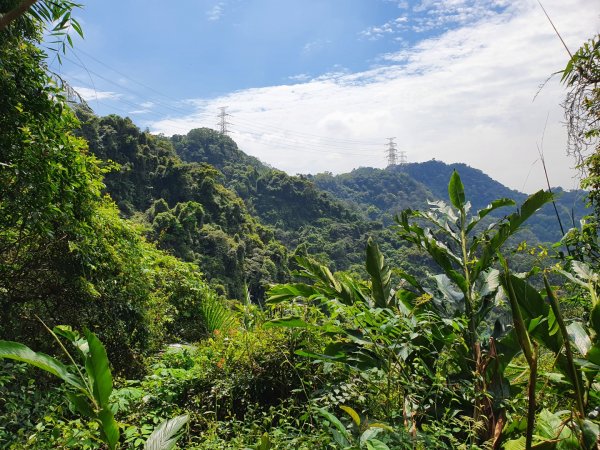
[(382, 193), (185, 207), (301, 214)]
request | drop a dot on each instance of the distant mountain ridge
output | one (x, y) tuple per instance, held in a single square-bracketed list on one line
[(375, 194), (385, 192)]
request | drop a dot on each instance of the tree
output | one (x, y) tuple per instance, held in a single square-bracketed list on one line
[(582, 113)]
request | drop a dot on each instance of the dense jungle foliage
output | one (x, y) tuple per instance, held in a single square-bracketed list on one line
[(160, 292)]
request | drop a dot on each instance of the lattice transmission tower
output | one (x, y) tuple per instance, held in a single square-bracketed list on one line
[(223, 115), (392, 152), (403, 158)]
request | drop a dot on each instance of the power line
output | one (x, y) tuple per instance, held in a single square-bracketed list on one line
[(290, 139), (303, 147), (325, 138), (184, 111)]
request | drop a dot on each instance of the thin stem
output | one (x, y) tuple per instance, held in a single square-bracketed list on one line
[(529, 351), (468, 294), (555, 30), (90, 392), (531, 397)]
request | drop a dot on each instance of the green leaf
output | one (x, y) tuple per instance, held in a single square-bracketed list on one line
[(509, 227), (528, 208), (98, 370), (287, 292), (375, 444), (341, 439), (533, 306), (165, 436), (20, 352), (499, 203), (380, 275), (287, 322), (593, 354), (456, 191), (595, 318), (265, 442), (369, 434), (584, 271), (81, 404), (110, 429), (352, 413), (336, 423), (515, 444), (553, 327), (590, 433)]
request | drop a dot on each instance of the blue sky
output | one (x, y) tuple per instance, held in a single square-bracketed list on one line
[(317, 85), (208, 48)]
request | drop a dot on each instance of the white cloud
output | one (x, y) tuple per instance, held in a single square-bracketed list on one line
[(465, 96), (388, 28), (439, 15), (89, 94), (216, 12)]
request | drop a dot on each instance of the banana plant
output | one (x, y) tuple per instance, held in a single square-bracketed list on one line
[(468, 286), (464, 253), (367, 325), (90, 384)]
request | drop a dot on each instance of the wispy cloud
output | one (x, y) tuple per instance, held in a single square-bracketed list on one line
[(465, 95), (315, 46), (301, 77), (390, 27), (216, 12), (89, 94)]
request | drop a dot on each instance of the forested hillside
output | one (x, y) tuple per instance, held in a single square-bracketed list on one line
[(383, 193), (185, 207), (173, 292)]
